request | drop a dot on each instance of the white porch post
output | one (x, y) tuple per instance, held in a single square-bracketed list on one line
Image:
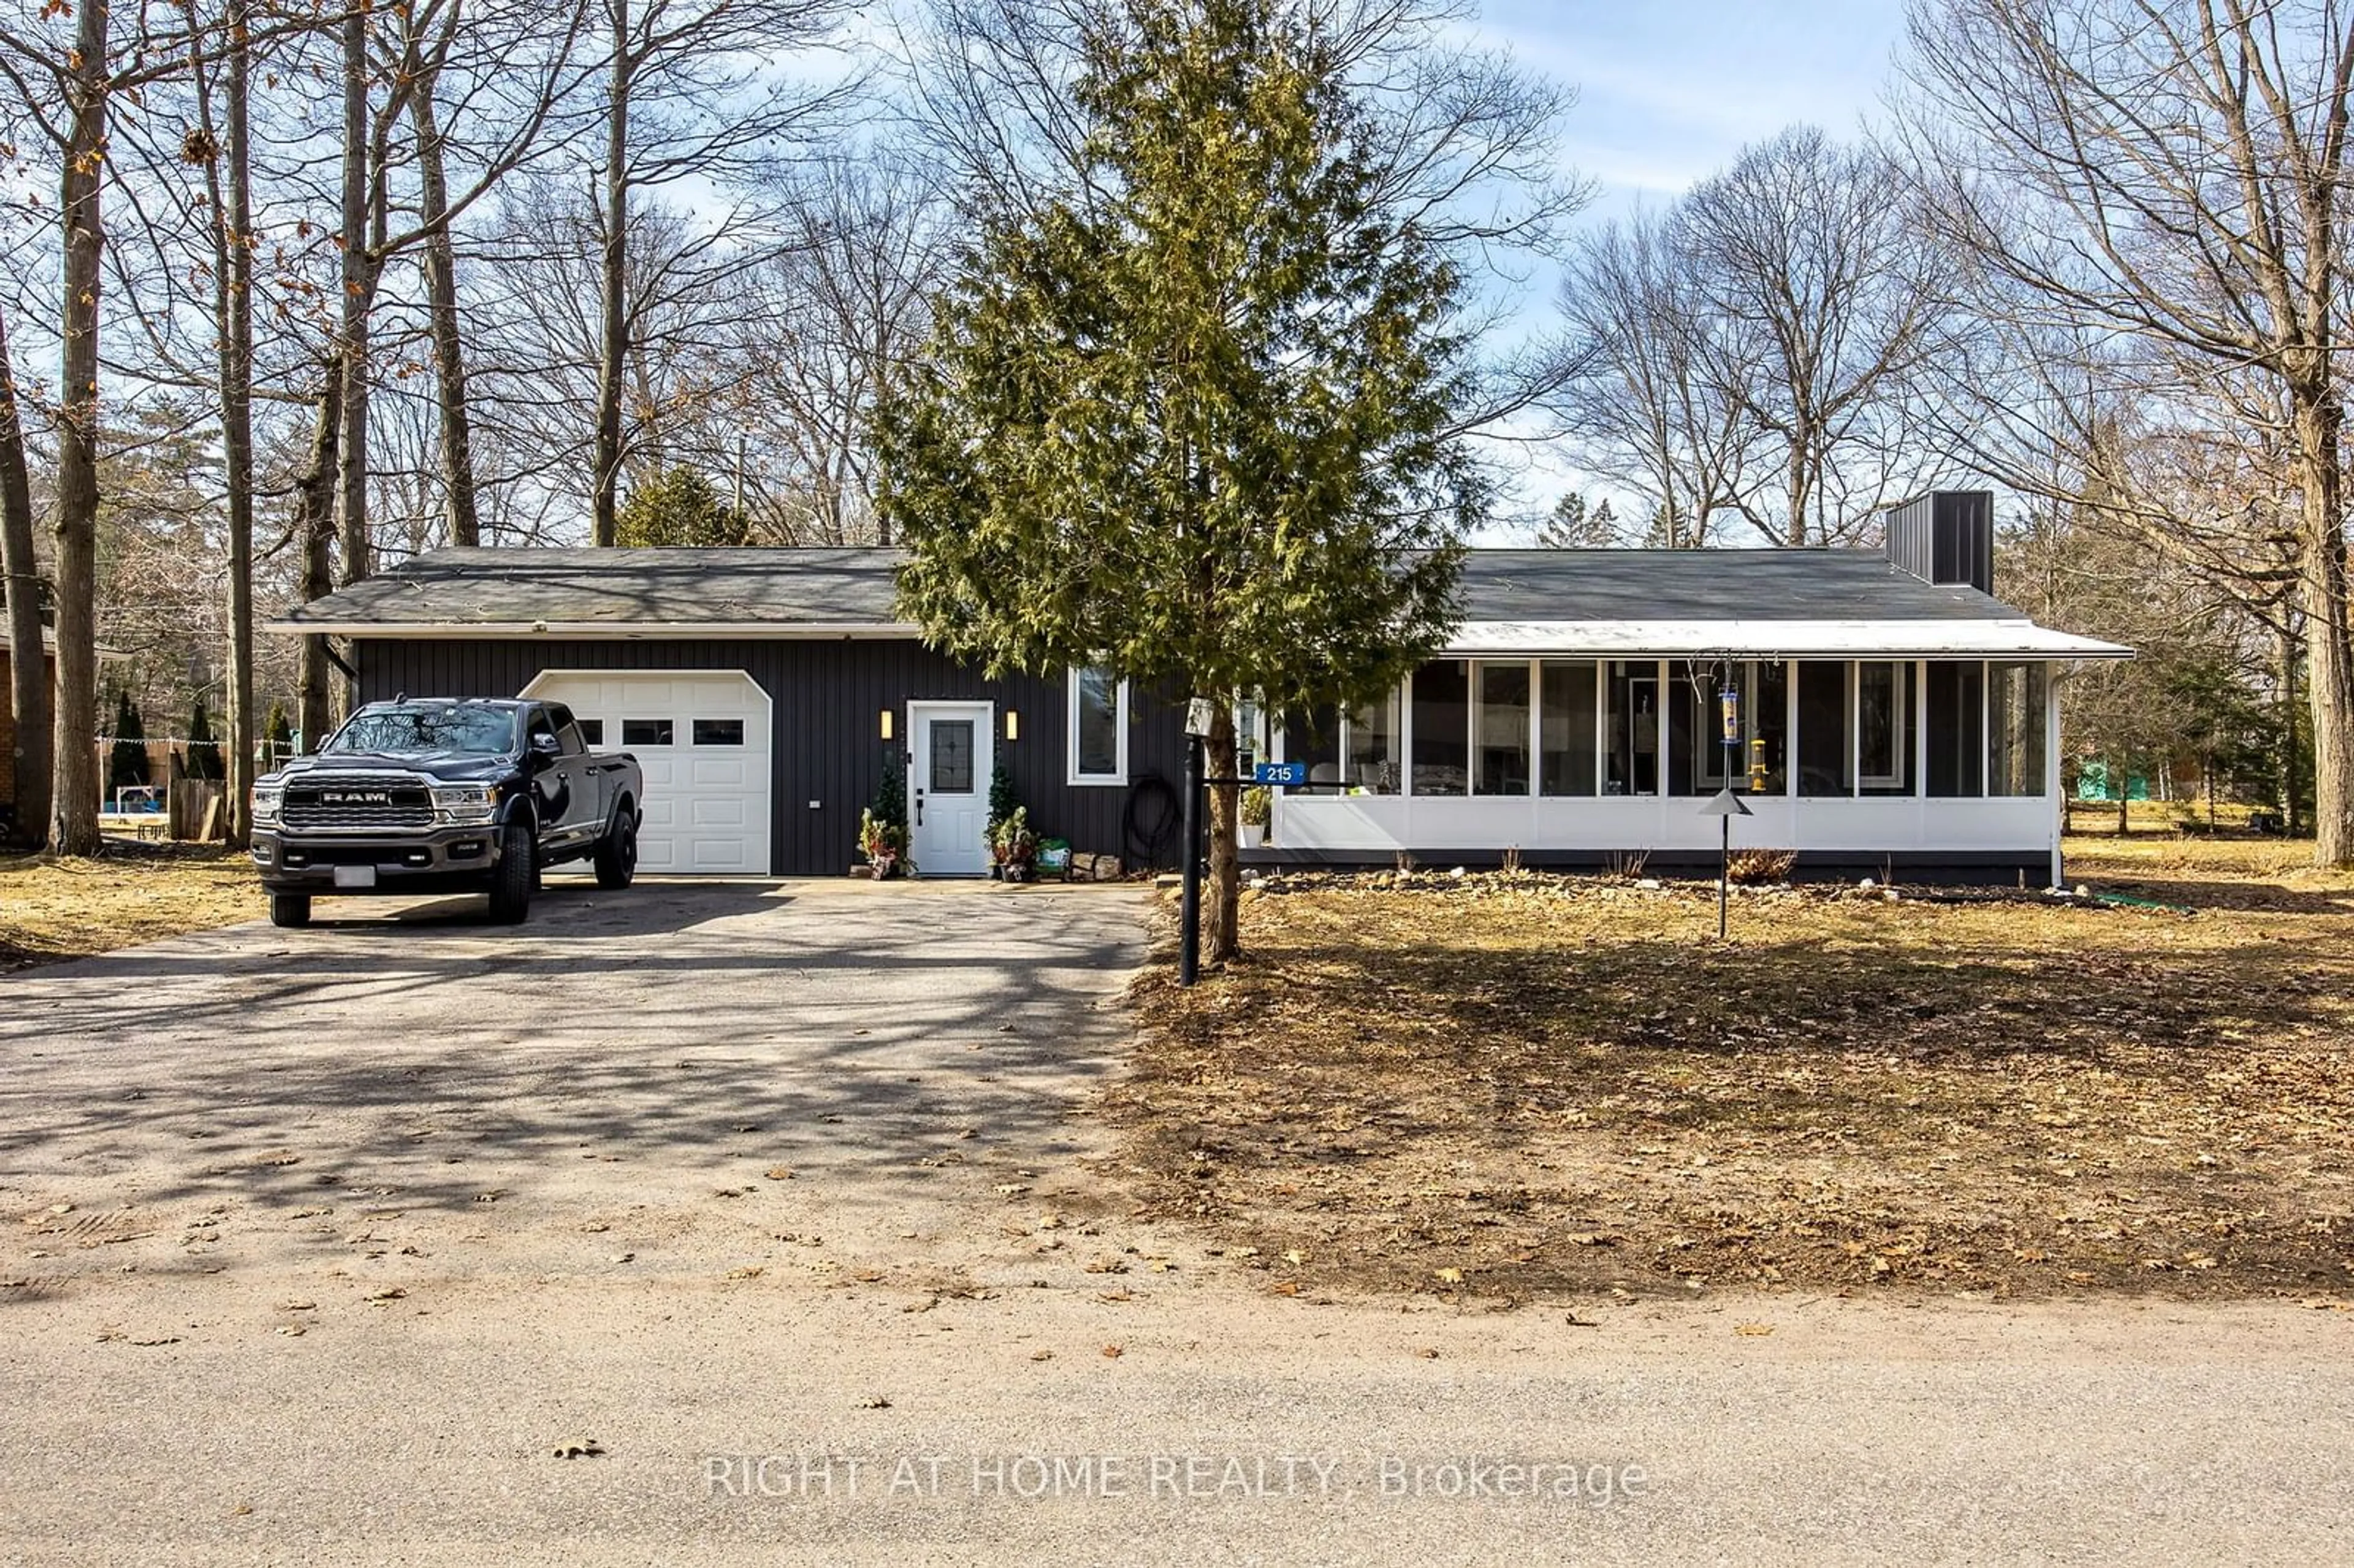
[(1790, 729), (1921, 728), (2051, 766), (1855, 729), (1406, 734)]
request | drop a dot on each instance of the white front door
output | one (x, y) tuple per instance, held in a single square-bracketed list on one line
[(951, 751)]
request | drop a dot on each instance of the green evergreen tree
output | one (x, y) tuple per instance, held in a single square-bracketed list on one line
[(1572, 525), (204, 757), (278, 734), (1002, 801), (678, 507), (890, 803), (1193, 421), (126, 764)]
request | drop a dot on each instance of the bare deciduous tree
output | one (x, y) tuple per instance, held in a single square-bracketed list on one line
[(29, 673), (1639, 398), (689, 95), (2172, 172)]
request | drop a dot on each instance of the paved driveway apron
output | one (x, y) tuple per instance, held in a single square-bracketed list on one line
[(834, 1058)]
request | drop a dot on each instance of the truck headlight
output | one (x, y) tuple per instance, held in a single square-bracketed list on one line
[(266, 798), (464, 802)]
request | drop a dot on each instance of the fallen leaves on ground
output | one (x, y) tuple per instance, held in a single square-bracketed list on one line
[(72, 907), (1567, 1084)]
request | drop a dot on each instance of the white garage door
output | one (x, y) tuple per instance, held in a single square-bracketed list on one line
[(703, 741)]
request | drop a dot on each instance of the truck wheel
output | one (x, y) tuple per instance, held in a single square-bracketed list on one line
[(511, 883), (617, 852), (290, 909)]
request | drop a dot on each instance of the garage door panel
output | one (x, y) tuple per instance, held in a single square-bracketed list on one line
[(722, 813), (706, 808)]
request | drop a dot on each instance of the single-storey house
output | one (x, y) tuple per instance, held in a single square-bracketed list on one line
[(1879, 712)]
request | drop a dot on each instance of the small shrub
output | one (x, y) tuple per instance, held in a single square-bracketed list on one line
[(1625, 865), (1760, 867), (1258, 806)]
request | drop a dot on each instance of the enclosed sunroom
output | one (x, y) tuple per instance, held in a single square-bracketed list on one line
[(1873, 719)]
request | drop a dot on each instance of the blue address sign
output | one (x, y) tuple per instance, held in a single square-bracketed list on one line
[(1289, 773)]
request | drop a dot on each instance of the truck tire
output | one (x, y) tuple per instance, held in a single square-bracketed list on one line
[(290, 909), (617, 852), (511, 883)]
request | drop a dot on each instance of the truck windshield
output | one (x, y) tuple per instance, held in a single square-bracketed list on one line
[(428, 727)]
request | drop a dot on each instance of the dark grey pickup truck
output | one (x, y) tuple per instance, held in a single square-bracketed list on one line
[(476, 795)]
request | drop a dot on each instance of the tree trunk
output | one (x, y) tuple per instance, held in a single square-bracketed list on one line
[(2286, 644), (314, 527), (2124, 784), (2328, 648), (352, 452), (1221, 937), (449, 347), (28, 666), (613, 284), (2330, 689), (1795, 526), (73, 796), (233, 300)]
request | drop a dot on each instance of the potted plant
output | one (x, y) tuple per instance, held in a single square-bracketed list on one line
[(882, 828), (1013, 847), (884, 844), (1257, 811)]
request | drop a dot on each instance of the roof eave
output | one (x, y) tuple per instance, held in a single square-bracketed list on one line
[(393, 630)]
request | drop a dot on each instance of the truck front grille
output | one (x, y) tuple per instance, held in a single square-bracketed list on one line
[(345, 803)]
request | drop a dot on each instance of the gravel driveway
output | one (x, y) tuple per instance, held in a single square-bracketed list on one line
[(317, 1246)]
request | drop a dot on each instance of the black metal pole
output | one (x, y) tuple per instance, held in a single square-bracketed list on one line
[(1189, 909), (1723, 872)]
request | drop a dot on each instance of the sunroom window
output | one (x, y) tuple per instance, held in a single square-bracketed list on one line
[(1884, 727), (2015, 727), (1569, 699), (1502, 721), (1442, 702)]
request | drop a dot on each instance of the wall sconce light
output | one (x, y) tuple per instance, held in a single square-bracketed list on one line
[(886, 723), (1013, 724)]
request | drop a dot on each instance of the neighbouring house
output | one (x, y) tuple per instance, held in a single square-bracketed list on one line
[(1887, 714)]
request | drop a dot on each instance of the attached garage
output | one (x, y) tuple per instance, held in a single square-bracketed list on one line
[(703, 740)]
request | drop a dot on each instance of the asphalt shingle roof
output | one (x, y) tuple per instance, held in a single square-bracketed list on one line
[(790, 588)]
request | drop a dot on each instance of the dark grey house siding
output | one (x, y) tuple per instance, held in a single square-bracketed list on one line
[(828, 698)]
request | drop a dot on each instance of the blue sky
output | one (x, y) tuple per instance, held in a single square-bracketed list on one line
[(1670, 92)]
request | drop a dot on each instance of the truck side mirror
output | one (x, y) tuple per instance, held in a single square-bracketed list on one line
[(544, 745)]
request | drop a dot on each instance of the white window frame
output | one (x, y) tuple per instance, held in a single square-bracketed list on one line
[(1117, 777)]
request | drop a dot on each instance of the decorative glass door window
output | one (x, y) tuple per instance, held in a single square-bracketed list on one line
[(951, 757)]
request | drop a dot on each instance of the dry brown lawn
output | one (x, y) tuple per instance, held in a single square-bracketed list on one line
[(52, 909), (1508, 1087)]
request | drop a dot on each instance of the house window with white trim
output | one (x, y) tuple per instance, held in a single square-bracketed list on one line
[(1098, 728)]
